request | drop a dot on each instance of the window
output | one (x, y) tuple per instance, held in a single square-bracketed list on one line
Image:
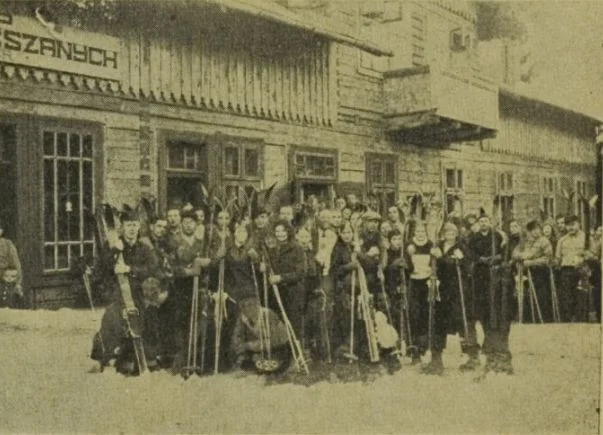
[(68, 186), (454, 191), (186, 157), (315, 171), (505, 195), (185, 168), (382, 179), (241, 169), (315, 166), (241, 161), (548, 193)]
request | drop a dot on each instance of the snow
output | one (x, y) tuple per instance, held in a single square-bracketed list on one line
[(46, 387)]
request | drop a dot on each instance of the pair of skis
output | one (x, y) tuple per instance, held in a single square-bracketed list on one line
[(108, 241)]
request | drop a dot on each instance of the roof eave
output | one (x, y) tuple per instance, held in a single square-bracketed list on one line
[(289, 18)]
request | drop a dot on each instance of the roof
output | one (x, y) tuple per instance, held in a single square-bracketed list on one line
[(525, 95), (274, 12)]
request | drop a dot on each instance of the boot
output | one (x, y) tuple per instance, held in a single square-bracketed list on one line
[(435, 366), (415, 357), (471, 364), (499, 364)]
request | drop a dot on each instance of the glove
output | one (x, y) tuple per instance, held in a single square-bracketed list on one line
[(458, 254), (253, 254), (274, 279), (436, 252), (201, 262), (121, 268)]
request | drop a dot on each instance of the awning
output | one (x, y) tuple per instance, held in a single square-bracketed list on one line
[(272, 11)]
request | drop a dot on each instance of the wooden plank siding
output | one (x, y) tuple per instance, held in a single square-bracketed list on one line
[(225, 73), (545, 136)]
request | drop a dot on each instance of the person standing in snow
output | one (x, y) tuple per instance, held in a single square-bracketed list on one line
[(9, 259), (492, 295)]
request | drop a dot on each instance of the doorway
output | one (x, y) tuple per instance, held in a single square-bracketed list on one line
[(8, 179)]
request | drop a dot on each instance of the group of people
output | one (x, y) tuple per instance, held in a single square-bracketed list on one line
[(311, 285)]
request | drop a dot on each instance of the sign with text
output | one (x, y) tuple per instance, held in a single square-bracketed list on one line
[(32, 42)]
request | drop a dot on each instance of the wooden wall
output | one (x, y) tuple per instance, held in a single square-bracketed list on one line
[(294, 83)]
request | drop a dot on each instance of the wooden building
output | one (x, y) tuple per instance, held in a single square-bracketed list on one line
[(240, 94)]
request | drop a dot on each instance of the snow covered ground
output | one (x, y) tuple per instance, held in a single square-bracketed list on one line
[(45, 387)]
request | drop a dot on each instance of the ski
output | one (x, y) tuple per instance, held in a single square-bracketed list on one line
[(108, 243)]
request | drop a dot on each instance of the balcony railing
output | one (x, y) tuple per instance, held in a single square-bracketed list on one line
[(427, 105)]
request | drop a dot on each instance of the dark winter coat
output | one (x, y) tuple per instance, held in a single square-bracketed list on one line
[(395, 262), (112, 340), (288, 261), (448, 309), (239, 280)]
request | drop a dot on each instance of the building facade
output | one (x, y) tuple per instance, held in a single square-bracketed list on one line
[(238, 95)]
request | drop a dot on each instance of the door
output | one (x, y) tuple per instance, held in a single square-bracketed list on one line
[(8, 179)]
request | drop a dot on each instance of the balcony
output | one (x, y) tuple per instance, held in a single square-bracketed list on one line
[(424, 105)]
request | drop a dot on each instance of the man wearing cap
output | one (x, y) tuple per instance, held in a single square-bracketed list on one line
[(190, 258), (570, 256), (140, 261), (492, 294)]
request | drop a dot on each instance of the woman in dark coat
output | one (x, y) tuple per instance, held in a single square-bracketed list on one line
[(287, 269), (448, 311), (394, 270), (241, 269), (342, 266)]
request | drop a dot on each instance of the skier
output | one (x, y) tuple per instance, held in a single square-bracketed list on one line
[(112, 341), (419, 252), (492, 295)]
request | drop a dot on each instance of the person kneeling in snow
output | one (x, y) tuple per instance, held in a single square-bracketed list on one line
[(111, 342), (259, 342)]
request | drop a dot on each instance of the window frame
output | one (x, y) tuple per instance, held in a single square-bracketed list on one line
[(241, 148), (69, 127), (382, 188), (505, 191), (182, 171), (316, 152), (456, 190), (547, 195)]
